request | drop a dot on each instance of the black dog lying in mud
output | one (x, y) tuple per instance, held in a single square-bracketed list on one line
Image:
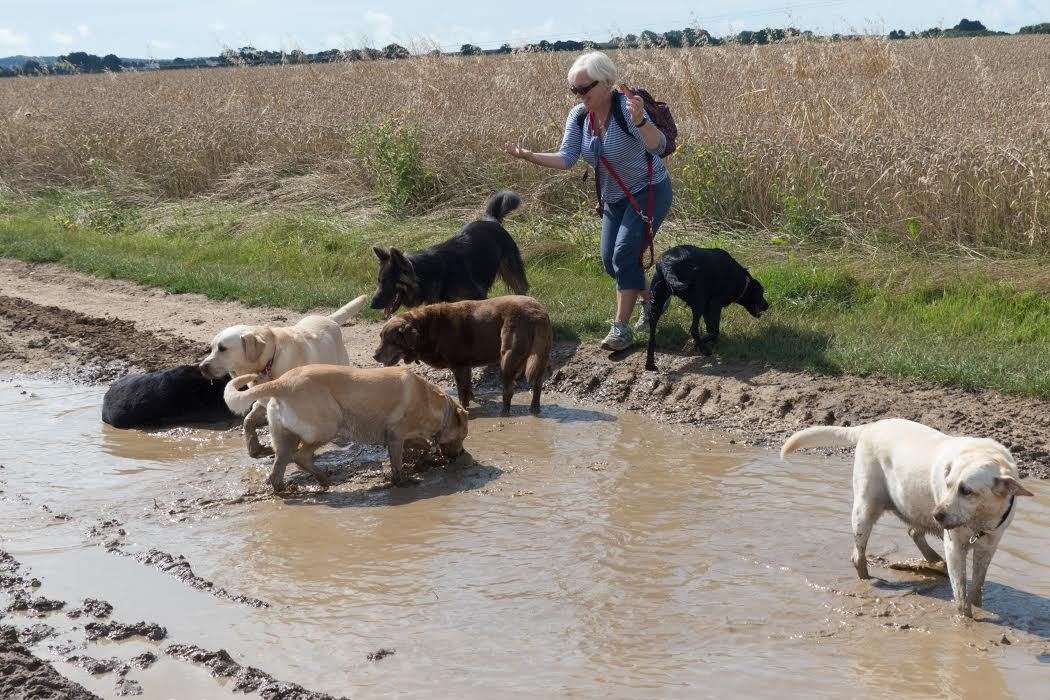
[(708, 279), (463, 267), (166, 398)]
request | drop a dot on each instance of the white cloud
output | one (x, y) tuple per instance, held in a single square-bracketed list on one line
[(83, 30), (158, 45), (11, 40), (380, 25), (62, 38)]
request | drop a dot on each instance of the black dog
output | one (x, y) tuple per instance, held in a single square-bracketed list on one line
[(166, 398), (707, 279), (463, 267)]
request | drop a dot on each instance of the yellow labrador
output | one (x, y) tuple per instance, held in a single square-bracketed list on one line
[(270, 351), (313, 405), (961, 488)]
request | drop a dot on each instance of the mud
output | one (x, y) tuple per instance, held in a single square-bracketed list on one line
[(35, 634), (95, 608), (23, 676), (118, 630), (246, 679), (100, 667), (178, 567), (87, 348)]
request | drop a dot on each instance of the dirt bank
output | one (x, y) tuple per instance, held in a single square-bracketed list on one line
[(55, 320)]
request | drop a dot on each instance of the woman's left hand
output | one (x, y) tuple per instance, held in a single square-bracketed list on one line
[(636, 107)]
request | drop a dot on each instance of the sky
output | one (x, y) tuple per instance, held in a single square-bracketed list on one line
[(153, 29)]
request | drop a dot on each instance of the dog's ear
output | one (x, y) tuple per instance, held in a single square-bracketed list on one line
[(409, 334), (381, 254), (1009, 486), (399, 257), (253, 345)]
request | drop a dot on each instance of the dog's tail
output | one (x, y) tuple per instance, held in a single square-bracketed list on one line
[(540, 354), (676, 285), (501, 204), (240, 399), (512, 269), (350, 310), (822, 436)]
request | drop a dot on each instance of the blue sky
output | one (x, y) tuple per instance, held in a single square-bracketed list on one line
[(148, 28)]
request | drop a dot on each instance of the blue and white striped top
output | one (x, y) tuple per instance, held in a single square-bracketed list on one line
[(626, 152)]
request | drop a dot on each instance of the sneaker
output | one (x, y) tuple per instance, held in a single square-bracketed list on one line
[(642, 324), (620, 336)]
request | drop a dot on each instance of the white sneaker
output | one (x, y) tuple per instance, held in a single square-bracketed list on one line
[(642, 324), (620, 336)]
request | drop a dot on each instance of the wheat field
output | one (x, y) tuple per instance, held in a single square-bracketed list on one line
[(931, 141)]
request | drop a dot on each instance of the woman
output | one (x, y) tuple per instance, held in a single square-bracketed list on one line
[(592, 130)]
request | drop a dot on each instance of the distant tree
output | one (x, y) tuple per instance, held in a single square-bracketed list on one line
[(674, 39), (395, 51), (33, 67), (631, 40), (504, 48), (898, 34), (970, 26), (111, 62), (651, 39), (83, 62), (1043, 28), (297, 56), (931, 33), (469, 50)]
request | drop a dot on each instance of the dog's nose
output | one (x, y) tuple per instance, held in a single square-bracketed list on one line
[(939, 516)]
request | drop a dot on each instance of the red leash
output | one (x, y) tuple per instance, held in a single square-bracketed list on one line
[(648, 219)]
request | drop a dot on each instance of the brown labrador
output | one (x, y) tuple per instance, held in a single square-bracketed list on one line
[(513, 331)]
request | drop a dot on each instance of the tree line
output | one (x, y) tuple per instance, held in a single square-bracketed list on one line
[(81, 62)]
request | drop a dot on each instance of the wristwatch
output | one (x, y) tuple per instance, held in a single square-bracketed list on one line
[(642, 123)]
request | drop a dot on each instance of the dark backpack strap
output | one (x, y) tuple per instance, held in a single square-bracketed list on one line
[(617, 112)]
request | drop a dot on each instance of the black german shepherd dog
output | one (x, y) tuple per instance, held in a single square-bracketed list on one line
[(463, 267), (708, 279)]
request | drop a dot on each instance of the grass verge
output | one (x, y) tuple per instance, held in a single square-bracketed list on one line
[(965, 322)]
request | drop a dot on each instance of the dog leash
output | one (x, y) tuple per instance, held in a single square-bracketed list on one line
[(981, 533), (647, 218)]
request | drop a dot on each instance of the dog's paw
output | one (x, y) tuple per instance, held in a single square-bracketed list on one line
[(258, 451), (704, 349)]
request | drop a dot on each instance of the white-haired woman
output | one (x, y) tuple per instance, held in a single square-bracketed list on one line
[(631, 147)]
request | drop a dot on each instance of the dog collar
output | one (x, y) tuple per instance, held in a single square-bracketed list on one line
[(747, 283), (269, 365), (981, 533)]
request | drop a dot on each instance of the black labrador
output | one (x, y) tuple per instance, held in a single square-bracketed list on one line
[(463, 267), (708, 279), (166, 398)]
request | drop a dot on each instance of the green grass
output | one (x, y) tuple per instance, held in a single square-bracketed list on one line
[(898, 312)]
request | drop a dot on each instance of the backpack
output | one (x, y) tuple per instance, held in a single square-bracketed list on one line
[(659, 114)]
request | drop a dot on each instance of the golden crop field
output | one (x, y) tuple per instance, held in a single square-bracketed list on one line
[(944, 140)]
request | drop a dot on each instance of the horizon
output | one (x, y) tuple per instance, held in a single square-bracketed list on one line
[(198, 29)]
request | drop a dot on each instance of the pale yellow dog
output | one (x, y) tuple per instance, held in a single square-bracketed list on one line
[(316, 404), (961, 488), (270, 351)]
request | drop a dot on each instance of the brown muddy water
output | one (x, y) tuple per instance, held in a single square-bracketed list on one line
[(582, 554)]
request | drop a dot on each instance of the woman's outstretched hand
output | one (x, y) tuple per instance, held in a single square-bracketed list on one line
[(516, 151)]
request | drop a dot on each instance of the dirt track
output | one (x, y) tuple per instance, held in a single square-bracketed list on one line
[(53, 320)]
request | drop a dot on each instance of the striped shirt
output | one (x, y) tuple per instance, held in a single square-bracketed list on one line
[(626, 152)]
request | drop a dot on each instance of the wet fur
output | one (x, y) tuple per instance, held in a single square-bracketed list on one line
[(513, 331), (708, 280), (317, 404), (918, 473), (164, 399), (463, 267)]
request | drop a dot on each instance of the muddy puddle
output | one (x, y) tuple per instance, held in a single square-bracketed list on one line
[(582, 554)]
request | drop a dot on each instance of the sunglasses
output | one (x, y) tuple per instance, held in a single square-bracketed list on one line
[(581, 90)]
